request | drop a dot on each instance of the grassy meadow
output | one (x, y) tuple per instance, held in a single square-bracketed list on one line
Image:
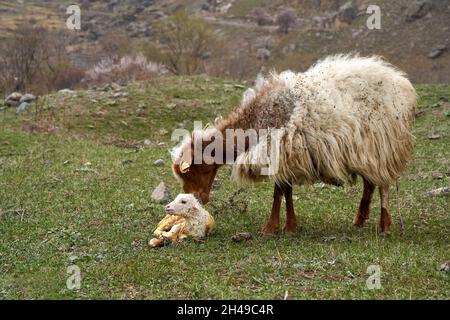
[(76, 171)]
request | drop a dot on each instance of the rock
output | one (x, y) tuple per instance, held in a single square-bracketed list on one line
[(434, 136), (171, 105), (347, 12), (329, 239), (23, 106), (216, 184), (437, 176), (243, 236), (116, 87), (445, 191), (15, 96), (264, 42), (437, 52), (147, 142), (418, 9), (13, 99), (159, 163), (445, 267), (263, 54), (161, 193), (28, 97), (11, 103), (66, 91)]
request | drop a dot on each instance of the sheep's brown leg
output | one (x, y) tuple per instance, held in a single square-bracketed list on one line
[(364, 206), (385, 219), (291, 221), (273, 224)]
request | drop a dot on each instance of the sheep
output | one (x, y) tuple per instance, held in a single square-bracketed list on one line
[(185, 218), (346, 116)]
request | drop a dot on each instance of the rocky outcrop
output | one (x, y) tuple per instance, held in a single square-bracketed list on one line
[(418, 9)]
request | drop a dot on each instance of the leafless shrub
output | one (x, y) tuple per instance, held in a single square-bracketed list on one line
[(286, 20), (32, 59), (262, 18), (116, 44), (187, 41), (127, 68)]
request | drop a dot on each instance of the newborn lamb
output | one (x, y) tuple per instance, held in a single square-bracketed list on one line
[(185, 218)]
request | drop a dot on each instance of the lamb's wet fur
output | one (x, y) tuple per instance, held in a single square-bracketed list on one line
[(186, 218)]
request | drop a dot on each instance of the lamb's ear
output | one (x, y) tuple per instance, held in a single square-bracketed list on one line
[(195, 207)]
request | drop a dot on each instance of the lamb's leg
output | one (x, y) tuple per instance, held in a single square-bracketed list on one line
[(385, 219), (364, 206), (174, 233), (272, 226), (291, 221)]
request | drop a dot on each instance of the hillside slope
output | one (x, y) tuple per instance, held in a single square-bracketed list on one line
[(76, 170), (411, 30)]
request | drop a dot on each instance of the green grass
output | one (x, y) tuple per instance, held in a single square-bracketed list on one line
[(242, 8), (52, 210)]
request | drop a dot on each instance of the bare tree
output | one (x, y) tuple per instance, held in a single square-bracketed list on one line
[(31, 55), (262, 18), (187, 40), (286, 20)]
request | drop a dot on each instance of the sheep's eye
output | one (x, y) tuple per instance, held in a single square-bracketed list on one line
[(183, 201)]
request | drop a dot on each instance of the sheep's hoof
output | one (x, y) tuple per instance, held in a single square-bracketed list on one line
[(385, 234), (269, 232), (290, 231), (359, 221)]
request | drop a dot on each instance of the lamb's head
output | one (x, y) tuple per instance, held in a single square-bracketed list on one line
[(195, 178), (185, 205)]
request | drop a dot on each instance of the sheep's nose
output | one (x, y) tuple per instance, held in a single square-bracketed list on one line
[(168, 209)]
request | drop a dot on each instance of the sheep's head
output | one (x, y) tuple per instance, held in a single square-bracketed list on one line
[(185, 205), (194, 178)]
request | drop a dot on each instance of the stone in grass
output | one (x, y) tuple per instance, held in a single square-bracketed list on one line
[(437, 176), (161, 193), (445, 267), (28, 97), (444, 191), (67, 91), (434, 136), (13, 99), (159, 163), (216, 184), (240, 237), (23, 106)]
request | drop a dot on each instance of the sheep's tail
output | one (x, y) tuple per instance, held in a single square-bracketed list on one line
[(399, 214)]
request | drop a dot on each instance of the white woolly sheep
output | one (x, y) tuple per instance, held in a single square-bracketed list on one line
[(185, 218), (346, 116)]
